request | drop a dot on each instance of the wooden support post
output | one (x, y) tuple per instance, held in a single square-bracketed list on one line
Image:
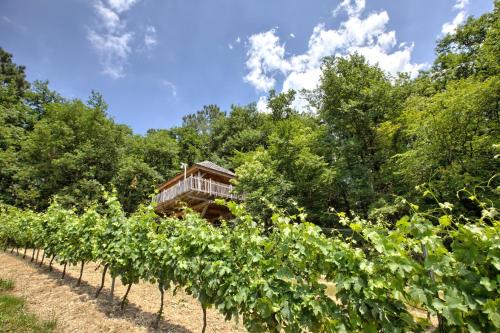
[(102, 280), (125, 297), (81, 273), (41, 261), (51, 260), (160, 312), (204, 309), (113, 280), (64, 271), (203, 212)]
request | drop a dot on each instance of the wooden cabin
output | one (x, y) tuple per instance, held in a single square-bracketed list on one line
[(197, 187)]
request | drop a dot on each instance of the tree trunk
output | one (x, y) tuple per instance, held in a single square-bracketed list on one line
[(125, 297), (51, 260), (102, 281), (17, 250), (37, 254), (113, 280), (204, 309), (81, 273), (33, 255), (41, 261), (64, 271), (24, 254), (12, 251), (160, 312)]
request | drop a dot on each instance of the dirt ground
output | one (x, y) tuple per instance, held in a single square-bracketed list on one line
[(77, 310)]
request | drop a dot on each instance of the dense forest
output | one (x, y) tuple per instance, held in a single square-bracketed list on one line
[(371, 140)]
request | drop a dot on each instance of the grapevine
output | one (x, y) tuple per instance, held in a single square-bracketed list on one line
[(276, 278)]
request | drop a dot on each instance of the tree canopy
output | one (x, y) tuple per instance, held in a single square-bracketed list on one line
[(373, 138)]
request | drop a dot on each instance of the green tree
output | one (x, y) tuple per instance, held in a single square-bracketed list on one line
[(72, 151), (134, 182), (13, 81), (161, 151), (452, 136), (471, 50), (356, 102)]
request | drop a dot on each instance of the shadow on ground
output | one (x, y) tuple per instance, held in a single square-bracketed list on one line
[(110, 307)]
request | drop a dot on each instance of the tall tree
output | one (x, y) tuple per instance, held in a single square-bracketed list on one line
[(12, 79), (72, 151), (355, 100)]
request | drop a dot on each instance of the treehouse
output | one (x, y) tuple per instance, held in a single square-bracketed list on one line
[(197, 187)]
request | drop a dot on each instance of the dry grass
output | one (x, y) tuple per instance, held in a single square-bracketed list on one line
[(76, 310)]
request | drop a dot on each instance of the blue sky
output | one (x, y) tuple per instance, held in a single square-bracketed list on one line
[(155, 61)]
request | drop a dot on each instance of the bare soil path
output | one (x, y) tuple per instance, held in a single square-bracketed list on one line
[(77, 310)]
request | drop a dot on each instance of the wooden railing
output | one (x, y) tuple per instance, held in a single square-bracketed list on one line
[(197, 184)]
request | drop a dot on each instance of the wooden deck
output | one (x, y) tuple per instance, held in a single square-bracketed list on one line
[(198, 187)]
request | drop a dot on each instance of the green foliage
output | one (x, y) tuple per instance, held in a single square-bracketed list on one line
[(452, 136), (6, 285), (133, 181), (274, 273), (375, 140), (75, 149), (13, 83), (357, 105), (470, 51)]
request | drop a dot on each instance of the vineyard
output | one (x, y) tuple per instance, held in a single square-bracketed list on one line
[(274, 275)]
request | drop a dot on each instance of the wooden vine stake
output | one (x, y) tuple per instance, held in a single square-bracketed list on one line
[(122, 305), (204, 309), (160, 312), (51, 260), (113, 280), (41, 261), (102, 280), (81, 273), (64, 271)]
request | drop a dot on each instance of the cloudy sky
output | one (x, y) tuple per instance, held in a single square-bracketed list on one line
[(157, 60)]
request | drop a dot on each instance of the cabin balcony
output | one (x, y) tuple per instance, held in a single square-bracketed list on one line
[(196, 191)]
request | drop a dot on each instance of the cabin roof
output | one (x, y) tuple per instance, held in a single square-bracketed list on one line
[(205, 166), (213, 166)]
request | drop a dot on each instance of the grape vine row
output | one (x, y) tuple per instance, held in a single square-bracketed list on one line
[(275, 275)]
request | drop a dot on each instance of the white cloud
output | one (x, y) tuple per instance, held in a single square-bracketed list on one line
[(6, 19), (262, 105), (110, 37), (450, 27), (266, 56), (150, 39), (170, 85), (352, 7), (292, 35), (461, 4), (113, 51), (238, 40), (121, 6), (109, 18), (230, 46)]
